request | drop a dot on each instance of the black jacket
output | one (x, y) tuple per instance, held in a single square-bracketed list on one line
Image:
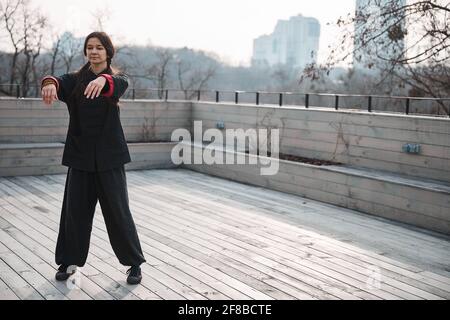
[(95, 139)]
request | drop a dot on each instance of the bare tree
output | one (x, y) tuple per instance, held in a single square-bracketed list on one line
[(405, 42), (70, 48), (25, 27), (9, 11), (156, 72), (161, 69), (34, 25), (190, 81), (55, 52), (378, 25), (282, 76)]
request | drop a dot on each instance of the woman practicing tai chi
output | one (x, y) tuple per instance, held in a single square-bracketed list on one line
[(95, 153)]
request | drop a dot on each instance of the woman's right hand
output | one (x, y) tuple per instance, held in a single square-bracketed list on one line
[(49, 94)]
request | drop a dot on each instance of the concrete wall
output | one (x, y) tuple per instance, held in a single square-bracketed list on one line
[(355, 138), (30, 120), (424, 205)]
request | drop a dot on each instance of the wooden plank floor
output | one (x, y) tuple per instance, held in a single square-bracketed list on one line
[(210, 238)]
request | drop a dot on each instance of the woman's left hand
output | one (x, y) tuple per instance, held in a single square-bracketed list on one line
[(94, 88)]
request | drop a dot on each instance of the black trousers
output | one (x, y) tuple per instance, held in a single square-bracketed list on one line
[(81, 193)]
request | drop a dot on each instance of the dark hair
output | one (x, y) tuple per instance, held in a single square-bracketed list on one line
[(83, 72)]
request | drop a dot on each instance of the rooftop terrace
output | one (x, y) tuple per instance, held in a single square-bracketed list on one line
[(377, 226), (209, 238)]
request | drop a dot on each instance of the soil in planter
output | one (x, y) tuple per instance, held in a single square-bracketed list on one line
[(156, 141), (290, 157)]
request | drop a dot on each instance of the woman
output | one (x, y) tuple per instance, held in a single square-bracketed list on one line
[(95, 153)]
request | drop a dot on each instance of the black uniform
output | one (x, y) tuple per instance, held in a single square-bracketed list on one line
[(95, 135), (95, 152)]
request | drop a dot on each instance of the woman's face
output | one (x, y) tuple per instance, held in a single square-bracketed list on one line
[(96, 52)]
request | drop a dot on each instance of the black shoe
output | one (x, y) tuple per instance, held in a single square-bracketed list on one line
[(62, 274), (134, 275)]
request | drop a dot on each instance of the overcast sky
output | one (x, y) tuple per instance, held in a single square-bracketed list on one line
[(226, 27)]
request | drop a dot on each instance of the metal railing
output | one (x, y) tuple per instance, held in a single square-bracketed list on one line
[(201, 95), (164, 94)]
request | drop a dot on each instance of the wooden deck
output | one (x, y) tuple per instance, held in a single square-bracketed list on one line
[(210, 238)]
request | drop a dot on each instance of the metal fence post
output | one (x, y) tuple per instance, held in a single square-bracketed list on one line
[(257, 98), (217, 96), (236, 97), (336, 102), (369, 105), (307, 100), (407, 106), (281, 99)]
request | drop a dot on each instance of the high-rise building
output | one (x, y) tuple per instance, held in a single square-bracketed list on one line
[(294, 42), (372, 22)]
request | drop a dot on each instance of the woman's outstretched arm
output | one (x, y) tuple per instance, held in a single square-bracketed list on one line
[(57, 88), (115, 85)]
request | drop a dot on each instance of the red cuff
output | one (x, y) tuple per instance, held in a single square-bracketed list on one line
[(52, 78), (111, 85)]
